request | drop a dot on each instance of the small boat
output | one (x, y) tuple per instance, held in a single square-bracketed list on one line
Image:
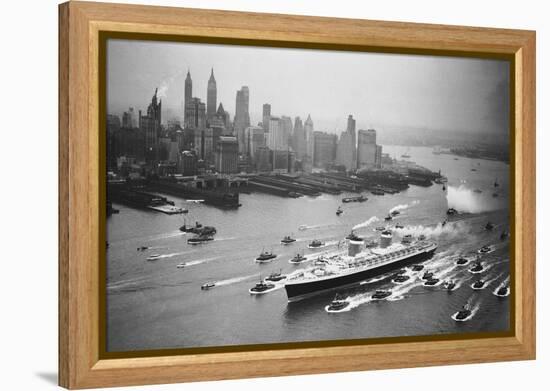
[(489, 226), (354, 237), (274, 277), (360, 198), (449, 285), (399, 226), (287, 240), (200, 239), (339, 211), (444, 223), (377, 192), (261, 287), (143, 248), (473, 169), (477, 268), (427, 275), (407, 239), (395, 213), (181, 265), (401, 278), (451, 212), (503, 291), (463, 314), (418, 267), (191, 229), (479, 284), (431, 281), (462, 261), (388, 218), (154, 257), (380, 294), (380, 228), (315, 244), (207, 286), (338, 304), (484, 250), (298, 258), (265, 256), (443, 188)]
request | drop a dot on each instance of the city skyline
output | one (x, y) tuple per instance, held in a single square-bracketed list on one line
[(449, 93)]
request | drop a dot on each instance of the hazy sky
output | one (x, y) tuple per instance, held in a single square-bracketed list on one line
[(378, 89)]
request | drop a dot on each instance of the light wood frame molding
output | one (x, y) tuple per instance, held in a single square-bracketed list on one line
[(80, 364)]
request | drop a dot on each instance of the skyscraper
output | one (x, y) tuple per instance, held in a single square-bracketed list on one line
[(195, 114), (188, 95), (266, 113), (308, 128), (242, 117), (211, 94), (151, 126), (368, 153), (346, 151), (227, 155), (299, 138), (324, 149)]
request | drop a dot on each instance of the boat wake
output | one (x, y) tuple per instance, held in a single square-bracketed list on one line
[(401, 207), (366, 223), (235, 280), (504, 283), (475, 309)]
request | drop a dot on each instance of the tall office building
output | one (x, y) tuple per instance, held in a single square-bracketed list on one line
[(286, 125), (299, 141), (324, 149), (277, 138), (150, 124), (188, 94), (266, 114), (369, 154), (346, 151), (195, 114), (227, 155), (211, 94), (255, 138), (308, 129), (242, 117)]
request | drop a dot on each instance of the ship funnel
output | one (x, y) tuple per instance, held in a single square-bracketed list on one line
[(355, 245), (385, 239)]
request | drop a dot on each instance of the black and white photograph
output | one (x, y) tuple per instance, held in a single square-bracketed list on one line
[(267, 195)]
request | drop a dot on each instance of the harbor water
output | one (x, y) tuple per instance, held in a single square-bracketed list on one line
[(156, 305)]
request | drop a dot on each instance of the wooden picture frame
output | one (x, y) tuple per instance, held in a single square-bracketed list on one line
[(81, 364)]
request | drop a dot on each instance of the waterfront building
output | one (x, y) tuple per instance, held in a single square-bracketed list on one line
[(188, 94), (211, 96), (150, 124), (369, 154), (283, 161), (187, 163), (324, 149), (263, 159), (227, 155), (242, 117)]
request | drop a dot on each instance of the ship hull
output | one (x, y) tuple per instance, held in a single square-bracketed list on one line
[(303, 290)]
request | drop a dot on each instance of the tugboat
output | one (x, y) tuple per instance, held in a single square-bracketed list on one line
[(388, 218), (200, 239), (463, 314), (479, 284), (399, 226), (401, 278), (484, 250), (428, 275), (265, 256), (381, 294), (153, 257), (395, 213), (451, 212), (449, 285), (431, 281), (462, 261), (338, 304), (503, 291), (185, 228), (339, 211), (315, 244), (143, 248), (260, 288), (418, 267), (274, 277), (298, 258), (181, 265), (477, 268), (380, 229), (207, 286), (489, 226), (354, 237), (288, 239)]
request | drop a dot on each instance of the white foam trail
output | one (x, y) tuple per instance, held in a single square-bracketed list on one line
[(464, 199), (450, 229), (504, 282), (200, 261), (474, 311), (401, 207), (366, 223), (235, 280)]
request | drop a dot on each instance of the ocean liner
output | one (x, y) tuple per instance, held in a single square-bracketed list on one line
[(358, 264)]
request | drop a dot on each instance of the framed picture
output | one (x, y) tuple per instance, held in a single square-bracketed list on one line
[(247, 195)]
